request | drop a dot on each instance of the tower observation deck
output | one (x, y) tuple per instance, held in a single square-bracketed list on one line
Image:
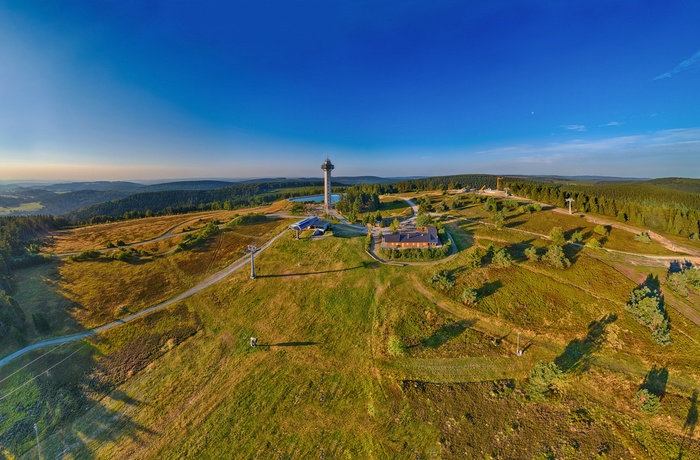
[(327, 167)]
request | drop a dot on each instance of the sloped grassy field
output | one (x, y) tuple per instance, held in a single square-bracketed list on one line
[(183, 383)]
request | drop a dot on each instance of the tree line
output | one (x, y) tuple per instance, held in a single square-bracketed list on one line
[(661, 209), (183, 201), (19, 246)]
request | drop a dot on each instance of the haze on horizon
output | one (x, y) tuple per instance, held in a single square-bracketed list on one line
[(116, 90)]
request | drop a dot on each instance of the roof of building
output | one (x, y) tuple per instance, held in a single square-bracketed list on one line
[(429, 235)]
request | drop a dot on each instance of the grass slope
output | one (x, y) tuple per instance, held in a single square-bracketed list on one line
[(184, 383)]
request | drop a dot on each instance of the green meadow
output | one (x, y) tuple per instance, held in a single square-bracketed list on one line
[(355, 358)]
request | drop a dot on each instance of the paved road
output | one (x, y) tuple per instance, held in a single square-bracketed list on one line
[(215, 278)]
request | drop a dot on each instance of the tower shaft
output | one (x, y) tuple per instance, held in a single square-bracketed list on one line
[(327, 167)]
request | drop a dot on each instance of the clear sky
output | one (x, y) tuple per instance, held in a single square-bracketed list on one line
[(144, 89)]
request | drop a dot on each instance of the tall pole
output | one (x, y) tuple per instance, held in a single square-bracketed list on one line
[(38, 447), (252, 248)]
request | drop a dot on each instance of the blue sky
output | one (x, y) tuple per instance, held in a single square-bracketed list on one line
[(112, 90)]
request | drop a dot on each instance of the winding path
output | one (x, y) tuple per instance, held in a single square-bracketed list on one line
[(215, 278)]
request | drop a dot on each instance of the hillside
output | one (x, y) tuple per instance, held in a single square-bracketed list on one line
[(357, 358)]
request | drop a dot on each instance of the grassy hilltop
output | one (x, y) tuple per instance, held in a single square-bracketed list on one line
[(359, 359)]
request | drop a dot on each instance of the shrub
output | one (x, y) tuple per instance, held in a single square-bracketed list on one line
[(545, 379), (676, 281), (468, 297), (577, 237), (491, 205), (424, 220), (593, 243), (41, 323), (647, 402), (557, 236), (531, 254), (474, 258), (368, 241), (647, 307), (692, 277), (396, 347), (443, 280), (602, 230), (501, 258), (90, 254), (499, 220), (643, 238), (555, 257)]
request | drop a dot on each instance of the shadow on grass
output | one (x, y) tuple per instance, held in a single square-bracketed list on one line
[(514, 224), (572, 251), (369, 265), (517, 250), (677, 266), (578, 354), (691, 421), (288, 344), (655, 381), (447, 333), (489, 288), (71, 389)]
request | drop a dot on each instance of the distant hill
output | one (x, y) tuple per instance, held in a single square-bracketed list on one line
[(675, 183), (180, 201), (99, 186), (187, 185)]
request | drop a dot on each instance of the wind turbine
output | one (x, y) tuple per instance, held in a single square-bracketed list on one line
[(569, 200)]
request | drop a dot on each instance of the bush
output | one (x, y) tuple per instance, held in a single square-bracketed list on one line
[(491, 205), (531, 254), (676, 282), (501, 258), (41, 323), (577, 237), (545, 379), (468, 297), (647, 402), (602, 230), (643, 238), (298, 208), (557, 236), (192, 240), (368, 241), (443, 280), (247, 219), (423, 220), (499, 220), (647, 307), (30, 259), (555, 257), (474, 258), (396, 347), (593, 243), (90, 254), (692, 277)]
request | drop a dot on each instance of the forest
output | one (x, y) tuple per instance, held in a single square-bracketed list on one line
[(659, 208), (183, 201)]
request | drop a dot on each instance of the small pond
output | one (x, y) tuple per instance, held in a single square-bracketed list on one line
[(315, 198)]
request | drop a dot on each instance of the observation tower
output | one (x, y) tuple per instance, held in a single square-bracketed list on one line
[(327, 167)]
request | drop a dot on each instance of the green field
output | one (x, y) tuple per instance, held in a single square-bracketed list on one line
[(357, 359), (24, 207)]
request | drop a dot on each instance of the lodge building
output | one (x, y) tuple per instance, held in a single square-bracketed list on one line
[(422, 237)]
